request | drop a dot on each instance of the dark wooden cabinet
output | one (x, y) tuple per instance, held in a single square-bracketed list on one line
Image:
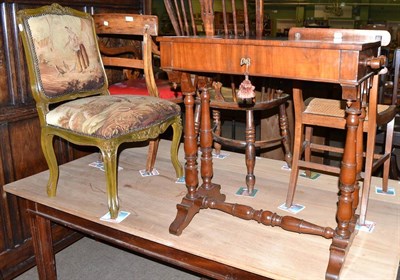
[(20, 149)]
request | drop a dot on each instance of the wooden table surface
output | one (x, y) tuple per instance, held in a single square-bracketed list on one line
[(268, 251), (309, 60)]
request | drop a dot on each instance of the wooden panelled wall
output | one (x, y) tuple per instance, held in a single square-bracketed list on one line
[(20, 150)]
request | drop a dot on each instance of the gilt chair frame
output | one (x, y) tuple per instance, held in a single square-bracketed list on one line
[(108, 147)]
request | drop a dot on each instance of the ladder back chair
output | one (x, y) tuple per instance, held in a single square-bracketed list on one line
[(237, 21), (396, 73), (330, 113), (120, 26), (121, 51), (70, 87), (392, 96)]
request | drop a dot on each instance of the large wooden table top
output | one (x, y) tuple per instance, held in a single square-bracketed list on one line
[(152, 204)]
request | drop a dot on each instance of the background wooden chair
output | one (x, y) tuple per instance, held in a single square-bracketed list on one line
[(69, 86), (330, 113), (391, 95), (121, 49), (239, 22), (120, 52), (395, 70)]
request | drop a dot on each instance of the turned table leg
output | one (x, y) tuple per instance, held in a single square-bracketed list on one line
[(284, 127), (207, 189), (192, 202), (344, 232), (217, 126), (250, 151), (187, 208)]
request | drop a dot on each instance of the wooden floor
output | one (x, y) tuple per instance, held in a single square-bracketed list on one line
[(268, 251)]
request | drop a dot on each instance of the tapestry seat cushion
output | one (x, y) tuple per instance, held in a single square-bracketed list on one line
[(110, 116), (138, 87)]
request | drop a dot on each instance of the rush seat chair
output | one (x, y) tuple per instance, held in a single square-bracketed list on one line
[(330, 113)]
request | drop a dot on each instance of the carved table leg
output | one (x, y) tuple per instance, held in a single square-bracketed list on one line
[(250, 151), (188, 208), (344, 232), (206, 140), (217, 124), (192, 202)]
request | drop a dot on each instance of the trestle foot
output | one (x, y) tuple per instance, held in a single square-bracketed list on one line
[(186, 211), (338, 251), (188, 208)]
